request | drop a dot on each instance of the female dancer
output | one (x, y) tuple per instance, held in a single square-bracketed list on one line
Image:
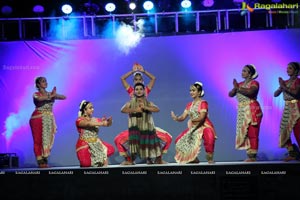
[(291, 113), (188, 143), (249, 112), (42, 121), (91, 150)]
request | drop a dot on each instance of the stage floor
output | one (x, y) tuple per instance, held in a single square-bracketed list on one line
[(222, 180)]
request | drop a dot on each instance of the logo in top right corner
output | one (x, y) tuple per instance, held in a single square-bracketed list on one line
[(283, 8), (246, 8)]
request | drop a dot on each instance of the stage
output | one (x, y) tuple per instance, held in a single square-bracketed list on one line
[(222, 180)]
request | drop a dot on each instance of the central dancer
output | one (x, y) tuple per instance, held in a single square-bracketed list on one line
[(121, 140), (143, 141)]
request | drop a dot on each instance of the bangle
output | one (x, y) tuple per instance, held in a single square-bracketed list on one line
[(48, 94)]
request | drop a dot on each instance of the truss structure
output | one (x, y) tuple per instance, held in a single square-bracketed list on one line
[(156, 24)]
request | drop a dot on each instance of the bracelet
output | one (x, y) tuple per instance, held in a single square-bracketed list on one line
[(48, 94)]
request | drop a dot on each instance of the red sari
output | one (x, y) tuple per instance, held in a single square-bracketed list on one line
[(91, 150), (188, 143), (43, 127), (248, 121), (290, 117)]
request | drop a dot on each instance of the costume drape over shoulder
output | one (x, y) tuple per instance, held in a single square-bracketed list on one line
[(249, 113), (188, 144)]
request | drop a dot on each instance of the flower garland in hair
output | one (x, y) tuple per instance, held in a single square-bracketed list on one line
[(255, 75), (81, 107), (137, 73), (199, 83)]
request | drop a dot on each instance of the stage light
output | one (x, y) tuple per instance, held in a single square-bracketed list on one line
[(110, 7), (67, 9), (132, 5), (186, 4), (148, 5), (6, 10), (38, 9)]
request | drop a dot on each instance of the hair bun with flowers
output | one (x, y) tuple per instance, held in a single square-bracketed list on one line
[(201, 85), (137, 73), (253, 71), (82, 105)]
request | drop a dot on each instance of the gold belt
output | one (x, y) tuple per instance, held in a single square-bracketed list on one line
[(245, 103), (91, 140), (47, 112), (291, 101)]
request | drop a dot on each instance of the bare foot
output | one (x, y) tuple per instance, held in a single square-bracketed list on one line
[(44, 165), (250, 160), (289, 158), (160, 161), (126, 162), (105, 163), (211, 162), (149, 161)]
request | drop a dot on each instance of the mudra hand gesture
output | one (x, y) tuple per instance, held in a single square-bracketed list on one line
[(137, 67), (235, 84), (53, 92), (106, 121), (281, 82), (174, 117)]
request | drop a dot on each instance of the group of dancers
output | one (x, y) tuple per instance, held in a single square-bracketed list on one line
[(144, 140)]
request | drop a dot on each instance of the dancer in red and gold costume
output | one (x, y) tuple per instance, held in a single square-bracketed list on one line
[(91, 150), (121, 140), (188, 143), (249, 112), (290, 120), (42, 121)]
